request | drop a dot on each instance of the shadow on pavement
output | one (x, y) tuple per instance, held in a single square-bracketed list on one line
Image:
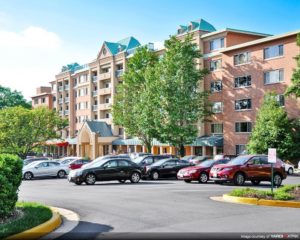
[(128, 183), (86, 230)]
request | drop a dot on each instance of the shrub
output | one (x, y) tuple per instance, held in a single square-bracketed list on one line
[(10, 180)]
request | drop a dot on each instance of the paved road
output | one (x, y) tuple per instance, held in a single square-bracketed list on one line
[(158, 206)]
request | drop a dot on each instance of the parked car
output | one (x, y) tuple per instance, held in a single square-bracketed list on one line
[(44, 169), (138, 154), (199, 159), (120, 169), (199, 172), (30, 160), (78, 163), (165, 168), (248, 167), (289, 168), (188, 157)]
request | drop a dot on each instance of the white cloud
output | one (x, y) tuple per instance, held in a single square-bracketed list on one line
[(33, 37)]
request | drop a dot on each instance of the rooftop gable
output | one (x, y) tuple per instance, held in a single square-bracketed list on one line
[(200, 24)]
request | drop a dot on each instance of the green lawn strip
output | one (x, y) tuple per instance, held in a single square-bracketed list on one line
[(34, 215), (283, 193)]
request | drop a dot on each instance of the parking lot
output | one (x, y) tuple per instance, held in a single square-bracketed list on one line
[(158, 206)]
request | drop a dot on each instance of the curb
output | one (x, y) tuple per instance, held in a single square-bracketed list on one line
[(261, 202), (40, 230)]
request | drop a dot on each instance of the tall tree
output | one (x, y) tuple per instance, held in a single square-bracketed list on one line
[(22, 130), (272, 129), (182, 103), (9, 98), (294, 89), (134, 106)]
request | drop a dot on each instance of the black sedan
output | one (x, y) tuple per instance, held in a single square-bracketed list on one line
[(107, 170), (166, 168)]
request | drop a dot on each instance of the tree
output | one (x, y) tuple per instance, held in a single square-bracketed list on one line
[(272, 129), (9, 98), (182, 102), (294, 89), (135, 104), (22, 130)]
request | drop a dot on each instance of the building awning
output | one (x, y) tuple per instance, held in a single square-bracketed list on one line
[(209, 141)]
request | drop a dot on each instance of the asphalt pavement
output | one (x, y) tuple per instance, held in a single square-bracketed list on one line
[(164, 206)]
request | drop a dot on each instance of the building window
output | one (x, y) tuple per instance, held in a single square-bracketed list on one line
[(242, 58), (217, 107), (216, 128), (43, 100), (107, 100), (121, 131), (274, 76), (244, 81), (273, 51), (215, 64), (280, 99), (107, 85), (243, 127), (216, 44), (96, 117), (107, 115), (240, 149), (243, 104), (36, 101), (216, 86)]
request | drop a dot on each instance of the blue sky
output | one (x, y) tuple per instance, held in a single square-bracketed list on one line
[(38, 37)]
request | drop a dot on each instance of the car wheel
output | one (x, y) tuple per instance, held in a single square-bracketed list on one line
[(122, 181), (90, 179), (187, 181), (255, 182), (203, 178), (239, 179), (61, 174), (291, 171), (277, 180), (155, 175), (28, 176), (135, 177)]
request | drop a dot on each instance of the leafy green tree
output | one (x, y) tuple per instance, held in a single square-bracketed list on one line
[(294, 89), (182, 102), (272, 129), (135, 104), (9, 98), (22, 130)]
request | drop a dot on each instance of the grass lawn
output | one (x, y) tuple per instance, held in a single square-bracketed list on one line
[(33, 214), (288, 192)]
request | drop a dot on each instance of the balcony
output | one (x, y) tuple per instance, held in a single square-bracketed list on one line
[(94, 79), (61, 113), (66, 112), (105, 106), (104, 76), (67, 99), (60, 101), (67, 87), (95, 93), (104, 91), (95, 108), (60, 88), (119, 73)]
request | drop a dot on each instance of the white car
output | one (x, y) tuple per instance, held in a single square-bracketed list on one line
[(45, 169), (289, 168)]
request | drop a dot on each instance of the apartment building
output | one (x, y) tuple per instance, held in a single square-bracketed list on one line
[(43, 98), (243, 66)]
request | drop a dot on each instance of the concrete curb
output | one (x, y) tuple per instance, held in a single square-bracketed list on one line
[(40, 230), (261, 202)]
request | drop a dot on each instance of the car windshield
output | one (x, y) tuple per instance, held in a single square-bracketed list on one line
[(158, 163), (207, 163), (186, 157), (138, 159), (66, 161), (238, 160), (95, 163)]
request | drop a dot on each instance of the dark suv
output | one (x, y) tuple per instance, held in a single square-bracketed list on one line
[(248, 167)]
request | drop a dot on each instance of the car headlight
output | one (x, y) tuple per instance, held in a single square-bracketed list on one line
[(227, 169), (192, 171)]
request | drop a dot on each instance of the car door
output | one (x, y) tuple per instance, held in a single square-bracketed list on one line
[(53, 168), (42, 169), (110, 171), (253, 168), (168, 169), (124, 168), (266, 168)]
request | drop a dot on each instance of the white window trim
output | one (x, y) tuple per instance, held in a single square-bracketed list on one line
[(273, 71), (272, 58)]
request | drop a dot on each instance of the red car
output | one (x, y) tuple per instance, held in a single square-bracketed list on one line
[(199, 172), (248, 167), (78, 163)]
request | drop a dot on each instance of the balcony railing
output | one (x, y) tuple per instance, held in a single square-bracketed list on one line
[(94, 78), (119, 73), (95, 108), (67, 99), (60, 88), (94, 93), (103, 76), (104, 91), (66, 112), (60, 101), (105, 106), (67, 87)]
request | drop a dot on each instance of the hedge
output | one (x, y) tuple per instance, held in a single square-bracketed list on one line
[(10, 180)]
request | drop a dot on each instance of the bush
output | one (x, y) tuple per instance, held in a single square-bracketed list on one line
[(10, 180)]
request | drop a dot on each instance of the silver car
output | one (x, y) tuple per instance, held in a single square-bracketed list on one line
[(44, 169)]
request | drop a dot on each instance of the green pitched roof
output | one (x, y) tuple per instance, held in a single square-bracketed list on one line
[(200, 24), (101, 128), (122, 45)]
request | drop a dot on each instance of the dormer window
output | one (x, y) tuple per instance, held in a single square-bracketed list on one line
[(104, 51)]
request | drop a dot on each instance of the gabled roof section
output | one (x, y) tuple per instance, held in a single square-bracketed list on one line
[(236, 31), (199, 24), (122, 45), (101, 128)]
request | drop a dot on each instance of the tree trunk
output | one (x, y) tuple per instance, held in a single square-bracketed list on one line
[(181, 150), (148, 146)]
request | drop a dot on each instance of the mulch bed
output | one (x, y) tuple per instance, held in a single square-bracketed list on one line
[(296, 194)]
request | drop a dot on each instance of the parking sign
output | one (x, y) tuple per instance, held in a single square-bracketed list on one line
[(272, 155)]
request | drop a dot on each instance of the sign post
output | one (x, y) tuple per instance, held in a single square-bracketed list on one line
[(272, 159)]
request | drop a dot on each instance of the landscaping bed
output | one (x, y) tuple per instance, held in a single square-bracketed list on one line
[(286, 193), (26, 216)]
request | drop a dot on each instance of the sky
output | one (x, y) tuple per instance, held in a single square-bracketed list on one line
[(38, 37)]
